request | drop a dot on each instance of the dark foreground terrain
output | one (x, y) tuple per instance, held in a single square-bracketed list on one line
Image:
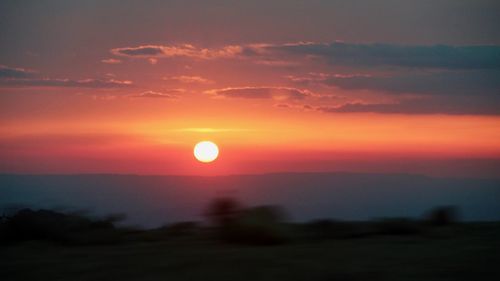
[(460, 252), (255, 227)]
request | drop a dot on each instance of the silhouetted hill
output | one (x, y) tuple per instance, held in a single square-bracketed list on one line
[(154, 200)]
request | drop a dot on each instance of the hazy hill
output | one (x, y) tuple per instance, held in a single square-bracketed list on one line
[(154, 200)]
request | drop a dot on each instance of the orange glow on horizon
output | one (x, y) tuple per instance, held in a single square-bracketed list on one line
[(161, 139)]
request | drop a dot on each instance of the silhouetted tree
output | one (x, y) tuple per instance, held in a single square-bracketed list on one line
[(223, 211), (258, 226), (262, 225), (442, 216)]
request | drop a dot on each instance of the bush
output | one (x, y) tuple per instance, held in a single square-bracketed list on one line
[(442, 216), (223, 211), (256, 226), (57, 227)]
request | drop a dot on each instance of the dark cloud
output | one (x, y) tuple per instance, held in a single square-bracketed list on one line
[(337, 53), (456, 106), (474, 92), (11, 72), (415, 56), (20, 77), (46, 82), (276, 93), (451, 83)]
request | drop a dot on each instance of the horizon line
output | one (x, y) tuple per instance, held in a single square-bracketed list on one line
[(253, 174)]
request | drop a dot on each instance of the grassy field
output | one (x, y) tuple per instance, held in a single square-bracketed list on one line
[(466, 252)]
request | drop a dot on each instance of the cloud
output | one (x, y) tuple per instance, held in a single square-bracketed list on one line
[(212, 130), (151, 94), (20, 77), (304, 107), (475, 91), (454, 92), (321, 77), (148, 51), (48, 82), (451, 83), (283, 105), (277, 63), (189, 79), (276, 93), (414, 56), (111, 61), (456, 106), (12, 72), (183, 50), (336, 53)]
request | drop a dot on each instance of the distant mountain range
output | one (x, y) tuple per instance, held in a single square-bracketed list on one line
[(154, 200)]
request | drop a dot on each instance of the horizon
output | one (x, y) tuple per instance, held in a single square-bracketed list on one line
[(338, 172), (154, 200), (253, 174)]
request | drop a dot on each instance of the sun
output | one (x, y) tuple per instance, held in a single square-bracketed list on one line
[(206, 151)]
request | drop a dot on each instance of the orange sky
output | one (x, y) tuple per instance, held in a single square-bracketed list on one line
[(157, 136), (291, 95)]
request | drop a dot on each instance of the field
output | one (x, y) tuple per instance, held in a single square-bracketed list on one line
[(461, 252)]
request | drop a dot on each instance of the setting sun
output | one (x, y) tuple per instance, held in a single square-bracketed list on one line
[(206, 151)]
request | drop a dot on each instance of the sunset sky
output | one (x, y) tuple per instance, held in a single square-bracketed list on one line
[(132, 86)]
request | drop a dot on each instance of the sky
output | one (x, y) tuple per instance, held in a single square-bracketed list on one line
[(281, 86)]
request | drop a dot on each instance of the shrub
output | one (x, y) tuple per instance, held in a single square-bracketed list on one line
[(256, 226), (223, 211), (442, 216), (54, 226)]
